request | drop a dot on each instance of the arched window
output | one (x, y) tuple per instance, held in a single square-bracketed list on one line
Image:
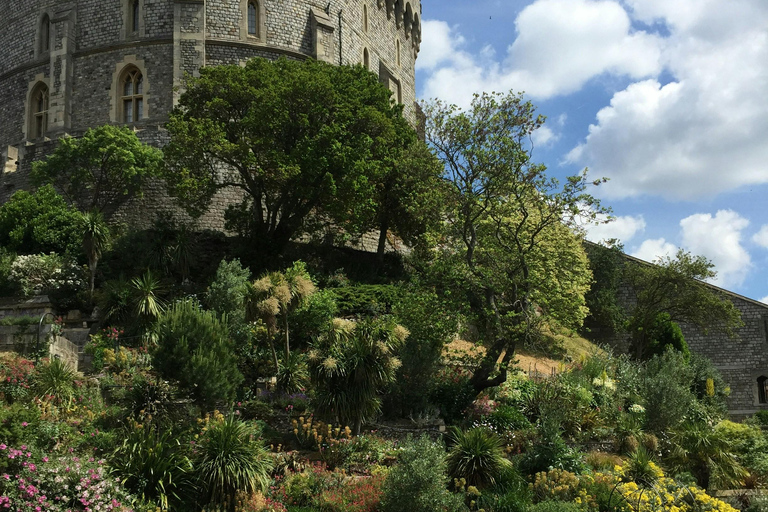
[(135, 15), (365, 18), (762, 392), (132, 95), (45, 34), (366, 59), (38, 112), (253, 19)]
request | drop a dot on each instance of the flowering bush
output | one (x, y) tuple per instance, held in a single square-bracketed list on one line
[(43, 273), (56, 483), (15, 377), (359, 495)]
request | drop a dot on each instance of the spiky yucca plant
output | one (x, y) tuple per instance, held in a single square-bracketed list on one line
[(476, 456), (231, 459)]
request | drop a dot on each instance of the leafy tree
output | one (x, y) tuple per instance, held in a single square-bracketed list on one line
[(101, 170), (39, 222), (606, 315), (674, 286), (228, 291), (298, 139), (96, 238), (508, 244), (350, 365), (193, 348)]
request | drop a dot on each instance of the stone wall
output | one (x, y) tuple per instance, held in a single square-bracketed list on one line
[(92, 42)]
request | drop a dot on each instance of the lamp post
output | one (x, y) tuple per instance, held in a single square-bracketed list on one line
[(39, 326)]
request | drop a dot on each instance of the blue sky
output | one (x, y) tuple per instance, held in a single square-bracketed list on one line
[(666, 98)]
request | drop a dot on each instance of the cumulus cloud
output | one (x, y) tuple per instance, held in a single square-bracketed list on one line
[(764, 300), (761, 237), (560, 45), (718, 238), (701, 133), (622, 228), (544, 136), (653, 249)]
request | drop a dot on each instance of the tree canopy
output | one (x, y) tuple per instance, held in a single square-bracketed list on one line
[(674, 286), (508, 244), (299, 140), (101, 170)]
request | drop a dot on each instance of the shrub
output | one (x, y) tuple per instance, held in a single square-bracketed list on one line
[(452, 394), (231, 458), (550, 452), (506, 417), (555, 484), (666, 333), (154, 466), (476, 456), (293, 373), (359, 495), (55, 379), (47, 273), (34, 481), (366, 299), (510, 493), (302, 488), (16, 375), (39, 222), (194, 349), (554, 506), (227, 292), (667, 385), (419, 480)]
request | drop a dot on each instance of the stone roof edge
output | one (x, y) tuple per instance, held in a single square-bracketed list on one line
[(708, 285)]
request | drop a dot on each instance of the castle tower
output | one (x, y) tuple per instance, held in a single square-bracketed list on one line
[(70, 65)]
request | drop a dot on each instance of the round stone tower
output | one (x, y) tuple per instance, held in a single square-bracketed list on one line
[(69, 65)]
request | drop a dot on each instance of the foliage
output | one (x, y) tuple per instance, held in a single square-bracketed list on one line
[(419, 479), (452, 393), (432, 325), (554, 506), (508, 248), (360, 495), (674, 286), (298, 136), (46, 274), (194, 349), (366, 299), (39, 222), (476, 456), (273, 297), (311, 318), (667, 386), (293, 373), (510, 494), (665, 333), (707, 454), (606, 315), (231, 458), (550, 452), (57, 483), (147, 304), (555, 484), (351, 364), (96, 237), (16, 377), (101, 170), (153, 466), (226, 294), (55, 379)]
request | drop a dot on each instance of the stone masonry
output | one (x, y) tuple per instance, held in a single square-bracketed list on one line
[(79, 51)]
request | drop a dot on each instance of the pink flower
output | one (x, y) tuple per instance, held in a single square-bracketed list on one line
[(24, 423)]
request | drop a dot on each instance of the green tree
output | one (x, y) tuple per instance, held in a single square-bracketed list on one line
[(101, 170), (96, 238), (39, 222), (674, 286), (351, 364), (509, 246), (298, 139), (193, 348)]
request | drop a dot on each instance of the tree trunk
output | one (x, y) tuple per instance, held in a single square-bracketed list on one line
[(287, 336), (383, 229)]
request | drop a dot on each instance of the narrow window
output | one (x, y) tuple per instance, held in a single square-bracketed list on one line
[(135, 16), (365, 18), (762, 396), (45, 34), (366, 59), (397, 56), (253, 19), (39, 112), (133, 96)]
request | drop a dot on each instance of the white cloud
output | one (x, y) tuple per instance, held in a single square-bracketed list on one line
[(718, 238), (560, 45), (623, 228), (543, 136), (653, 249), (761, 237), (764, 300), (702, 133)]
